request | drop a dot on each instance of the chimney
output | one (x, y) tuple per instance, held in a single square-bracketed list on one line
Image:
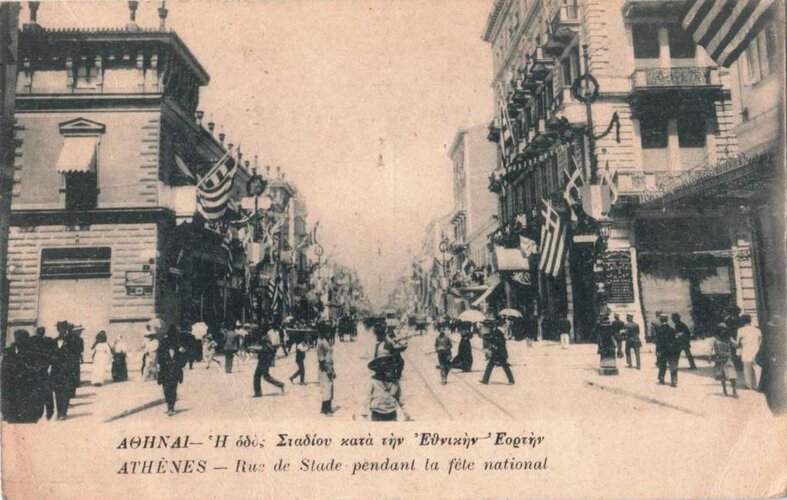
[(278, 172), (132, 15), (222, 135), (199, 114), (267, 171), (162, 16), (211, 126)]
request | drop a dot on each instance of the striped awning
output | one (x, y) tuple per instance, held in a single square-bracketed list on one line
[(78, 155)]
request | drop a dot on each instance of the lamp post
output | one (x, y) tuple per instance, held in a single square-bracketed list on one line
[(444, 249)]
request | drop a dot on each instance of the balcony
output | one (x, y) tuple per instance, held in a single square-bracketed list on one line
[(675, 87), (685, 77)]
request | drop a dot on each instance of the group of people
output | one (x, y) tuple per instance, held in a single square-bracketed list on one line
[(384, 396), (41, 374)]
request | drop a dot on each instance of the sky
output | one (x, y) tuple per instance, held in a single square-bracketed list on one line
[(321, 89)]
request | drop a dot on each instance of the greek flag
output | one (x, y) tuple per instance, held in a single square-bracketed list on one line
[(215, 189)]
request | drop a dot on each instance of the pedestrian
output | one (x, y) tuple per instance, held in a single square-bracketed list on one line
[(42, 350), (150, 347), (61, 374), (230, 348), (517, 327), (667, 351), (498, 354), (210, 346), (102, 360), (618, 327), (464, 354), (265, 355), (119, 362), (21, 387), (564, 329), (78, 349), (300, 356), (608, 339), (654, 326), (171, 357), (384, 396), (396, 346), (531, 328), (749, 342), (633, 342), (326, 372), (683, 336), (443, 346), (721, 356)]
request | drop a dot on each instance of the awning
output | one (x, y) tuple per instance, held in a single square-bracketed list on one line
[(510, 259), (493, 284), (78, 155)]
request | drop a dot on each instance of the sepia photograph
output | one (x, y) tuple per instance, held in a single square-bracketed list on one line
[(393, 248)]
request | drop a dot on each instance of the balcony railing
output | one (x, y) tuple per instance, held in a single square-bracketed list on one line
[(692, 77)]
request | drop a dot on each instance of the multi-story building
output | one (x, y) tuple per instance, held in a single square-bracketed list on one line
[(473, 158), (104, 224), (674, 115)]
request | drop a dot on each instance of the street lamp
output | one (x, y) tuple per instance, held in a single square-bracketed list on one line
[(444, 246)]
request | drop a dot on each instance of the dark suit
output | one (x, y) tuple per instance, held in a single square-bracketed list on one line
[(172, 357), (264, 360), (43, 350), (667, 353), (66, 357), (497, 357), (683, 335), (21, 387)]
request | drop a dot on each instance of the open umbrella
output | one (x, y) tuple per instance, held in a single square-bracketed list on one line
[(472, 316), (510, 312)]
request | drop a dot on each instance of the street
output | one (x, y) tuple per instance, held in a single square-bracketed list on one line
[(551, 383)]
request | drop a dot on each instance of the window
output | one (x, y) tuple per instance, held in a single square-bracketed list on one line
[(771, 47), (653, 131), (691, 131), (753, 63), (646, 41), (77, 163), (60, 263), (681, 45)]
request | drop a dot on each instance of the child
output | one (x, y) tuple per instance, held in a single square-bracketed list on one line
[(721, 354), (300, 355), (210, 351), (385, 394), (443, 346)]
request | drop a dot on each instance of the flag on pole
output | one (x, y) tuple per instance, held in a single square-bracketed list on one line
[(725, 27), (215, 189), (553, 241), (507, 142), (313, 234), (572, 191)]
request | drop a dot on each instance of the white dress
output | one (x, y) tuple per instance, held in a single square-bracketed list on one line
[(102, 363)]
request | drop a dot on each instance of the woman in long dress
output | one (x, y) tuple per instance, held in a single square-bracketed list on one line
[(326, 373), (102, 359), (119, 362)]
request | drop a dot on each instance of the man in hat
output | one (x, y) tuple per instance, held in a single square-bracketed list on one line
[(61, 375), (265, 355), (78, 350), (171, 357), (667, 351), (633, 342), (683, 336), (231, 339), (21, 387), (464, 354), (498, 354), (42, 349), (443, 346)]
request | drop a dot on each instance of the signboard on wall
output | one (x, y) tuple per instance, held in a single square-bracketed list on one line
[(139, 283), (618, 281)]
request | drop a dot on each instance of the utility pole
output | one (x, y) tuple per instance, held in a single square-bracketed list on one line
[(9, 39)]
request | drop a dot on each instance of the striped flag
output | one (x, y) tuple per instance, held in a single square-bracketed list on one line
[(507, 141), (215, 189), (572, 191), (553, 242), (725, 27)]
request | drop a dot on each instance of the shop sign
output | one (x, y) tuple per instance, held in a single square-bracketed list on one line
[(618, 281), (139, 283)]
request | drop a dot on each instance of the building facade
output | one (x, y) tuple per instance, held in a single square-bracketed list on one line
[(660, 111), (104, 224)]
